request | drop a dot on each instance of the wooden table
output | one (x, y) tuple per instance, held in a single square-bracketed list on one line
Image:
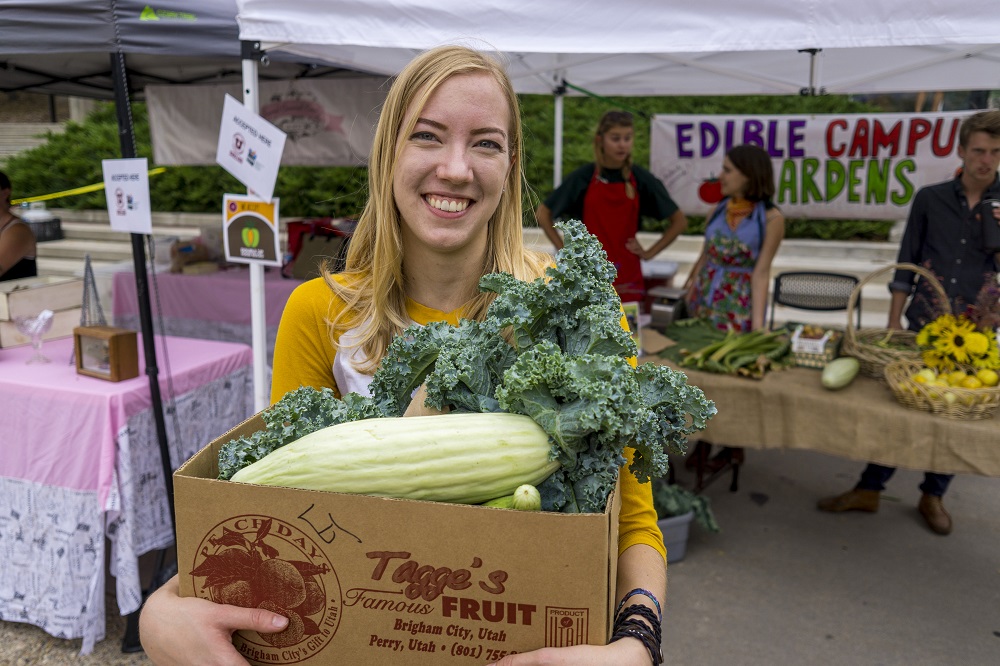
[(790, 409)]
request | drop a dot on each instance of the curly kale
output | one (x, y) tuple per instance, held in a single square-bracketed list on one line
[(297, 414), (553, 349), (459, 366), (410, 357), (592, 407), (574, 307)]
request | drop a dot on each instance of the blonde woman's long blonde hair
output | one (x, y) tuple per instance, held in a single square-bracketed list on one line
[(372, 285)]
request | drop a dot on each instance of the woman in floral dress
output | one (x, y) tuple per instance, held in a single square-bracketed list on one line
[(728, 285)]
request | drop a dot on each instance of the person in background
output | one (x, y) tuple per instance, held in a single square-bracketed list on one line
[(944, 234), (728, 284), (444, 209), (610, 196), (17, 240)]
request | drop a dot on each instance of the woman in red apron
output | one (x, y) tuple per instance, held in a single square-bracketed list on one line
[(609, 196)]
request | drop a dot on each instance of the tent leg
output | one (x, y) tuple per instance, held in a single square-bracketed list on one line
[(126, 137), (130, 641)]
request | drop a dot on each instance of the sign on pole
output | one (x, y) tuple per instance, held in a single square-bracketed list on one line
[(250, 230), (126, 187), (249, 148)]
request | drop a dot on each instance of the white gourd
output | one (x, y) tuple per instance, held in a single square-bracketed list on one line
[(464, 458)]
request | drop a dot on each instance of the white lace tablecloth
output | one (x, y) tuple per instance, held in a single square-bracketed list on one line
[(59, 499)]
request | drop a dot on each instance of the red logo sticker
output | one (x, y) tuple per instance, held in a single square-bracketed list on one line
[(566, 626), (261, 562)]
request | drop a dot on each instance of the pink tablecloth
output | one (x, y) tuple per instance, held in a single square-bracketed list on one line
[(59, 427), (214, 306), (80, 463)]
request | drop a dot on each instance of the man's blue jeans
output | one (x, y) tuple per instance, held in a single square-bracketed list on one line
[(875, 477)]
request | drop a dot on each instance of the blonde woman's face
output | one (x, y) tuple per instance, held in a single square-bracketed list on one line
[(452, 167)]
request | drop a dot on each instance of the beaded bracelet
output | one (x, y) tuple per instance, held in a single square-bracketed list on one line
[(628, 624), (643, 592), (636, 629), (637, 624), (644, 612)]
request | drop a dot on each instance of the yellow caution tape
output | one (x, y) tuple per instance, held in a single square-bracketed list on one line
[(77, 190)]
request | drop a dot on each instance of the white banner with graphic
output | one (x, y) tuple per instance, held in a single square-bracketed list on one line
[(850, 166), (328, 122)]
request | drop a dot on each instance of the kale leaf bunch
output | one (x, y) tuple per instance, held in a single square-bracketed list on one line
[(553, 349)]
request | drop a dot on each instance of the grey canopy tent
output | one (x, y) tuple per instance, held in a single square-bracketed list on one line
[(112, 49), (62, 47)]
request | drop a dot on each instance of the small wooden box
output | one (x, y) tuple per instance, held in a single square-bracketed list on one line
[(106, 352)]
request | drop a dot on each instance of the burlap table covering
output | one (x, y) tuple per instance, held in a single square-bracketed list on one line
[(790, 409)]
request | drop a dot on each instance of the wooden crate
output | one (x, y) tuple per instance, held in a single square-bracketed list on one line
[(63, 323), (106, 352), (29, 296)]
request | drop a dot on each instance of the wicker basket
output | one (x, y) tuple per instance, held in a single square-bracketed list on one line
[(869, 345), (949, 402)]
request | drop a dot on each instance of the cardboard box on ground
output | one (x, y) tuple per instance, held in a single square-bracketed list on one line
[(373, 580)]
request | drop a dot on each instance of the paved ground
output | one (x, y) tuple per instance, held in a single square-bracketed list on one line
[(783, 583)]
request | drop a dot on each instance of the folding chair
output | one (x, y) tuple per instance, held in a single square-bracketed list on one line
[(814, 290)]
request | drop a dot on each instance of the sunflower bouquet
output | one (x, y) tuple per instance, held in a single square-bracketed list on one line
[(954, 342)]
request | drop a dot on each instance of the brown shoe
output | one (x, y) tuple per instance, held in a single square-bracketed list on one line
[(935, 516), (853, 500)]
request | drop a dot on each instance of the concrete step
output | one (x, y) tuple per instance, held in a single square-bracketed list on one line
[(98, 250), (860, 259), (833, 250), (89, 231), (73, 266), (161, 221)]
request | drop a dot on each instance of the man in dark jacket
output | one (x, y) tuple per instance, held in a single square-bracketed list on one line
[(945, 234)]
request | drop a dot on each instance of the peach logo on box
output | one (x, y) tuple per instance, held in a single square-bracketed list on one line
[(262, 562), (565, 626)]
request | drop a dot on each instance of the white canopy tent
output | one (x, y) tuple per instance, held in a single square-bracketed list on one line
[(658, 47)]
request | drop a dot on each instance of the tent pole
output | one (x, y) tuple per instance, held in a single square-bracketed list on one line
[(126, 138), (811, 90), (557, 141), (251, 54)]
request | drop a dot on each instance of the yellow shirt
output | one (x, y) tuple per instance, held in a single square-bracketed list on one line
[(304, 355)]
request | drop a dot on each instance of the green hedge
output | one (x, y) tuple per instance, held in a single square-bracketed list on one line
[(73, 159)]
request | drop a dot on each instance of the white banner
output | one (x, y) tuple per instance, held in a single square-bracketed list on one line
[(329, 122), (851, 166)]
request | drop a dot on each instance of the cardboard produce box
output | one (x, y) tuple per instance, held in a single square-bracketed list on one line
[(377, 581)]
